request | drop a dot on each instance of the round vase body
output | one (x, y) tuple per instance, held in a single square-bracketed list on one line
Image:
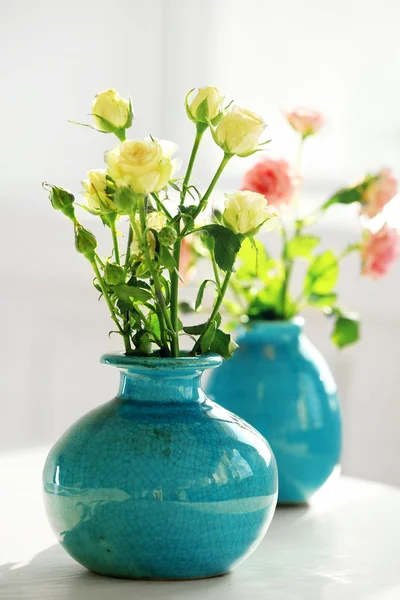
[(160, 482), (279, 382)]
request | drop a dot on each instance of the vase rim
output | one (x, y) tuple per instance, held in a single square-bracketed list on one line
[(158, 363), (296, 322)]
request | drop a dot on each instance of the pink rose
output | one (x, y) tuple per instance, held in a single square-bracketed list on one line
[(305, 121), (378, 251), (273, 179), (378, 193)]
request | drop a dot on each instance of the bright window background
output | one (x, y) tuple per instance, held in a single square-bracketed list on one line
[(340, 57)]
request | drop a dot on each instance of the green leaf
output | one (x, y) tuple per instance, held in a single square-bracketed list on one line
[(186, 307), (194, 329), (302, 246), (322, 300), (223, 344), (254, 261), (166, 286), (201, 291), (107, 126), (267, 304), (175, 186), (322, 274), (198, 329), (227, 245), (130, 294), (347, 195), (346, 330), (167, 259), (154, 324), (202, 111), (207, 340)]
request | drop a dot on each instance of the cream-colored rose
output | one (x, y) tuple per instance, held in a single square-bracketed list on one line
[(143, 165), (110, 106), (154, 220), (239, 131), (95, 192), (246, 211), (214, 100)]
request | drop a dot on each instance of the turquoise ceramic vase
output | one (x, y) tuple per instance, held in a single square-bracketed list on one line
[(281, 384), (160, 482)]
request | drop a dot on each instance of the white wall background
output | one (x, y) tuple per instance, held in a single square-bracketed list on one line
[(342, 57)]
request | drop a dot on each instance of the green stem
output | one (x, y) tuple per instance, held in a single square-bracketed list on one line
[(177, 249), (148, 326), (237, 292), (297, 170), (196, 144), (115, 239), (128, 248), (214, 313), (203, 201), (150, 263), (174, 304), (161, 206), (288, 264), (110, 304), (215, 269)]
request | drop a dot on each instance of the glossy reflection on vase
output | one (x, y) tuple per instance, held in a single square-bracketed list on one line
[(160, 482), (279, 382)]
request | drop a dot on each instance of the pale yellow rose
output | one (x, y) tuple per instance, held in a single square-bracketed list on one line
[(246, 211), (110, 106), (239, 131), (214, 104), (95, 192), (154, 220), (143, 165)]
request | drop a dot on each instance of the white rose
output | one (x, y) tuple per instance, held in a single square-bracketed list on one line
[(245, 212), (143, 165), (115, 110), (95, 192), (213, 107), (239, 131)]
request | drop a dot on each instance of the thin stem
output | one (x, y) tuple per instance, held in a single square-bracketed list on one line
[(297, 170), (150, 263), (128, 248), (110, 304), (237, 291), (115, 239), (214, 313), (161, 206), (210, 188), (288, 264), (215, 269), (174, 303), (147, 324), (196, 144)]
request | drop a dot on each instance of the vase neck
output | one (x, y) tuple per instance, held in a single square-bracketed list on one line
[(271, 332), (160, 387), (161, 380)]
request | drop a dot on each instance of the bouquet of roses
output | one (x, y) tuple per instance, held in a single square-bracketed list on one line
[(138, 277), (262, 283)]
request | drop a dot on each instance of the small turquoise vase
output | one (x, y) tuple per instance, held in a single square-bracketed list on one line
[(279, 382), (160, 482)]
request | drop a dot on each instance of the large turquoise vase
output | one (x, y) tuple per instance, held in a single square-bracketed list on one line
[(160, 482), (279, 382)]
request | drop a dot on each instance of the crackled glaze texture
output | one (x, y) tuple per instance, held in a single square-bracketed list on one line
[(280, 383), (160, 482)]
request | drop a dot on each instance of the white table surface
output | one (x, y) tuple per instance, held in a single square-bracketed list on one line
[(346, 545)]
